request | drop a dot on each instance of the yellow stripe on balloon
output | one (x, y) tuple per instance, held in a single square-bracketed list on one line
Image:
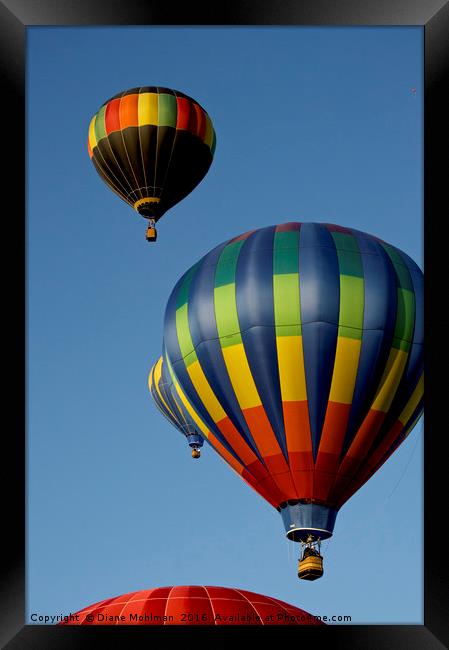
[(205, 392), (413, 402), (181, 415), (92, 138), (193, 414), (346, 364), (147, 109), (209, 134), (390, 380), (157, 377), (240, 376), (150, 378), (291, 368), (157, 370)]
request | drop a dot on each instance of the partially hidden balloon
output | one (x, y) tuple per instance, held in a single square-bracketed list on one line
[(298, 349), (191, 605), (167, 401)]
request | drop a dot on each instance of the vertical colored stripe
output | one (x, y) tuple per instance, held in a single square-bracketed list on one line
[(157, 379), (167, 110), (100, 128), (200, 122), (320, 304), (128, 111), (184, 106), (208, 132), (255, 307), (92, 136), (239, 370), (390, 380), (148, 113), (347, 355), (198, 377), (112, 116), (287, 315)]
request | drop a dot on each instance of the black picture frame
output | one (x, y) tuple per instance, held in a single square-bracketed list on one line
[(15, 17)]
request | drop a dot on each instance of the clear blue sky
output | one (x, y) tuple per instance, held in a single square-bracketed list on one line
[(313, 124)]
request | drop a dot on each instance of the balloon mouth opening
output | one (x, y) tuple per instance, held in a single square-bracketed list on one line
[(302, 534), (148, 207), (304, 519)]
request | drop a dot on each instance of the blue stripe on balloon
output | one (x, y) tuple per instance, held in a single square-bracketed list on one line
[(415, 361), (204, 332), (170, 332), (418, 286), (255, 308), (173, 351), (415, 365), (320, 297), (378, 328), (163, 410), (166, 388)]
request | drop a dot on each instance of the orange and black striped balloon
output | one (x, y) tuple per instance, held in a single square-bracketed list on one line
[(151, 146)]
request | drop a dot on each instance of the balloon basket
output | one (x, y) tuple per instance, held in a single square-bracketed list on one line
[(310, 565), (151, 234), (310, 568)]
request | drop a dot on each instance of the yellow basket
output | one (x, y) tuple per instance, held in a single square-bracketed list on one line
[(310, 568)]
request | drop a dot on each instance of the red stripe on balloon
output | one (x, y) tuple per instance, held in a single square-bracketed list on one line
[(112, 116), (183, 116)]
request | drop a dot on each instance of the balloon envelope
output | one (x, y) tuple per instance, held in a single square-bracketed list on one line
[(192, 605), (151, 146), (299, 348), (169, 404)]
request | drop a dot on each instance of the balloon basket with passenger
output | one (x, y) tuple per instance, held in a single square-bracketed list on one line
[(151, 234), (310, 563)]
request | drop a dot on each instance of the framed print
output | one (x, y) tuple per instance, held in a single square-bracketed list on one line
[(324, 118)]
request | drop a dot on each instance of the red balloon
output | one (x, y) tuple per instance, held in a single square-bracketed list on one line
[(191, 606)]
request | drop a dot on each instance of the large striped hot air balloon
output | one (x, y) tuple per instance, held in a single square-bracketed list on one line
[(298, 351), (192, 605), (167, 401), (151, 146)]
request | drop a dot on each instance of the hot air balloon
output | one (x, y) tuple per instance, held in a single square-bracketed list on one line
[(168, 403), (299, 347), (191, 605), (151, 146)]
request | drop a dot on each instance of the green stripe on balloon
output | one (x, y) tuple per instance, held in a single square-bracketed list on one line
[(100, 124), (286, 286), (225, 301), (182, 319), (167, 110)]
